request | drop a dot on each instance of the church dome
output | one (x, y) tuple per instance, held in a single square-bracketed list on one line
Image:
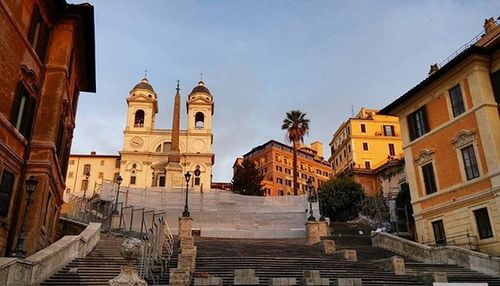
[(144, 84), (200, 88)]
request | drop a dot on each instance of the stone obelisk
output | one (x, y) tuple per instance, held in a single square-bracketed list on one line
[(174, 168)]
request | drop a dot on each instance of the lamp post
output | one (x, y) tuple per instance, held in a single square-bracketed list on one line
[(185, 213), (310, 188), (87, 175), (119, 182), (321, 217), (30, 188)]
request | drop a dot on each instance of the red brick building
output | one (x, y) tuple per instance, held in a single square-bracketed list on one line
[(46, 59)]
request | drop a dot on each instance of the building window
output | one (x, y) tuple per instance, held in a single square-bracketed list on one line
[(161, 181), (392, 151), (102, 162), (280, 193), (365, 146), (117, 163), (389, 130), (197, 181), (279, 168), (279, 181), (429, 180), (38, 34), (349, 148), (363, 128), (101, 175), (417, 123), (139, 118), (86, 169), (288, 171), (367, 165), (288, 183), (6, 186), (23, 111), (85, 185), (70, 175), (457, 101), (71, 162), (132, 180), (439, 234), (483, 223), (199, 120), (470, 162)]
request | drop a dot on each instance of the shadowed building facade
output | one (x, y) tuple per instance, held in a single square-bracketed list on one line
[(46, 59), (451, 140)]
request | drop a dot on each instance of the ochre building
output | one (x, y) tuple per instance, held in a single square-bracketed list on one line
[(275, 161), (46, 59), (363, 144), (451, 141), (153, 157)]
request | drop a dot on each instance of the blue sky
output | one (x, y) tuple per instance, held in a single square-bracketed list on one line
[(261, 59)]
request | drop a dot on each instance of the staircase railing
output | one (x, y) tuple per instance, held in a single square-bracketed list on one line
[(465, 240), (148, 225), (158, 248)]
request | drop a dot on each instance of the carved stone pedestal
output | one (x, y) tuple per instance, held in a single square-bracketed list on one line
[(130, 251), (313, 232)]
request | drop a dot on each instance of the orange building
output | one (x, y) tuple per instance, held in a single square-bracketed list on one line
[(451, 141), (46, 59), (364, 143), (274, 160)]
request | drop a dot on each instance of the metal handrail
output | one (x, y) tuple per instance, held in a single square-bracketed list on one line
[(460, 240), (465, 46)]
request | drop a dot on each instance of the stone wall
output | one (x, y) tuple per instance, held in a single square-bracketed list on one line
[(476, 261), (39, 266)]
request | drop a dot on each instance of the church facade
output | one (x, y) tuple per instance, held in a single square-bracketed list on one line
[(153, 157)]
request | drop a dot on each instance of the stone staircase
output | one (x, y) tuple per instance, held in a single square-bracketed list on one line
[(269, 258), (101, 265)]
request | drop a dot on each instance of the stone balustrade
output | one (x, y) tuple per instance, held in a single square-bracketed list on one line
[(476, 261), (39, 266)]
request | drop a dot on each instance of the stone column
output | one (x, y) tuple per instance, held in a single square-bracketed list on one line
[(313, 232), (130, 251), (185, 227), (174, 168)]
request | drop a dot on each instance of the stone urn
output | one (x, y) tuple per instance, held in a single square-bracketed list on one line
[(130, 251)]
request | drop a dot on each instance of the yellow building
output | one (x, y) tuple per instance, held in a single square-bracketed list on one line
[(451, 141), (275, 161), (87, 172), (149, 157), (364, 143)]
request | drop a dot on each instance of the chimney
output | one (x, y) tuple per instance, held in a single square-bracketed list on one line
[(434, 68), (93, 153), (489, 25), (318, 147)]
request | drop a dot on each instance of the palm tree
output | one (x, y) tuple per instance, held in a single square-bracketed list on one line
[(296, 126)]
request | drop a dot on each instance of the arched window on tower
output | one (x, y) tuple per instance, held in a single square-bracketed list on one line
[(199, 120), (139, 118)]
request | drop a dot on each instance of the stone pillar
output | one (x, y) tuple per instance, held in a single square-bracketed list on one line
[(348, 282), (313, 232), (328, 246), (324, 228), (185, 227), (312, 277), (179, 277), (245, 277), (130, 251)]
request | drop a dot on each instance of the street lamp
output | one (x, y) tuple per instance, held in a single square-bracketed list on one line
[(310, 188), (119, 182), (321, 217), (187, 176), (87, 175), (30, 188)]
